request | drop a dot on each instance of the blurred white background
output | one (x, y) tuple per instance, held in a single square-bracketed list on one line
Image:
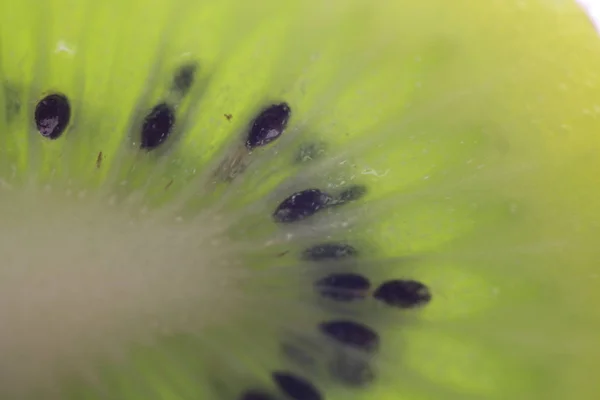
[(593, 9)]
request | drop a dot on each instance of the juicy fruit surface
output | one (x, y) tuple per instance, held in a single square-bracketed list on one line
[(450, 144)]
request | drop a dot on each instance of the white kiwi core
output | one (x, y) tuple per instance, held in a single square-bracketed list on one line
[(80, 279)]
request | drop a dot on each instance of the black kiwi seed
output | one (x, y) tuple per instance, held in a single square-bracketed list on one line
[(352, 334), (157, 126), (184, 78), (52, 115), (328, 251), (301, 205), (351, 371), (403, 293), (343, 287), (255, 395), (296, 387), (268, 125)]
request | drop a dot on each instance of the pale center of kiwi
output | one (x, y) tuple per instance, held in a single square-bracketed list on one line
[(81, 279)]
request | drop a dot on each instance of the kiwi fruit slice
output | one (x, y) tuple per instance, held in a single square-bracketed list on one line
[(299, 200)]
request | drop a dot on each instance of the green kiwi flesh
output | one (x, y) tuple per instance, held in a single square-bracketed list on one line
[(435, 160)]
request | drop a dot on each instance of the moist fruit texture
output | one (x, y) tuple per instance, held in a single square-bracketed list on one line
[(299, 200)]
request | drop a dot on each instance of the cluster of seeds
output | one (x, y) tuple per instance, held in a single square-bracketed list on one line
[(52, 116)]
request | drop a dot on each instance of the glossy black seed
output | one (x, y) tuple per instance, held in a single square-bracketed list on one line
[(351, 194), (157, 126), (295, 387), (352, 334), (52, 115), (343, 287), (403, 293), (329, 251), (351, 371), (268, 125), (255, 395), (301, 205), (184, 78)]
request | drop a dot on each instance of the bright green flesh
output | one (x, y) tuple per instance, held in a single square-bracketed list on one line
[(473, 124)]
